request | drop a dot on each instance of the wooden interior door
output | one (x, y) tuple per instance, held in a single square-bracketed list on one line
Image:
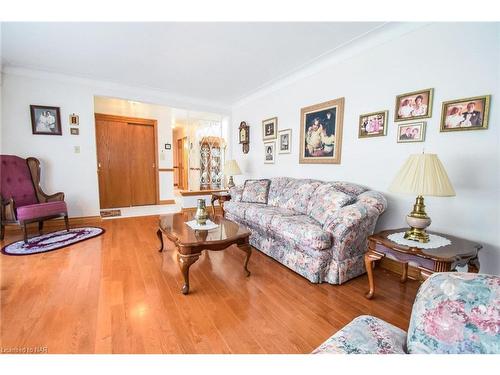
[(112, 163), (142, 164)]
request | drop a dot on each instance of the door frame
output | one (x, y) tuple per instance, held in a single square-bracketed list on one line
[(139, 121)]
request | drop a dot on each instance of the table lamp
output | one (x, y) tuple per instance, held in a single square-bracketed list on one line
[(231, 169), (422, 174)]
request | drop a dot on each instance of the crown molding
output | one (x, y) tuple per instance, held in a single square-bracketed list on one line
[(373, 38), (105, 88)]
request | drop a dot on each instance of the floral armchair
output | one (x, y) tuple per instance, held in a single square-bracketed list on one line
[(454, 313)]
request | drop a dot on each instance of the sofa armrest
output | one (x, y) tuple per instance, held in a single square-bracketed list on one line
[(351, 225), (236, 192)]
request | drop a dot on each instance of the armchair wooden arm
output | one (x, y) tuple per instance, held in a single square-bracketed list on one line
[(34, 166)]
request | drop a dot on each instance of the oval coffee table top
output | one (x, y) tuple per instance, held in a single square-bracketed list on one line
[(175, 228)]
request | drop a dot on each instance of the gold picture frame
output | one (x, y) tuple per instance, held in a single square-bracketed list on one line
[(403, 112), (270, 128), (452, 122), (412, 136), (316, 148), (366, 120)]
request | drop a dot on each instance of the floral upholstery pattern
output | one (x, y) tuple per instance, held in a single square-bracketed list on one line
[(326, 201), (365, 335), (456, 313), (311, 226), (255, 191)]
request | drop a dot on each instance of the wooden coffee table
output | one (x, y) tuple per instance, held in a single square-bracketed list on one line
[(190, 243)]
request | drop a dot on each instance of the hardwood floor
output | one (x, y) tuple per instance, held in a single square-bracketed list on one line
[(117, 294)]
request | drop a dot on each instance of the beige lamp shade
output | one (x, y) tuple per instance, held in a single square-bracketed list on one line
[(231, 168), (423, 174)]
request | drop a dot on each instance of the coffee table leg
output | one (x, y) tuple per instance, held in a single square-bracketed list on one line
[(185, 261), (160, 237), (248, 250), (371, 257)]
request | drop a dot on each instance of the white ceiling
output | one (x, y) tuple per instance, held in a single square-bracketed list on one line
[(219, 62)]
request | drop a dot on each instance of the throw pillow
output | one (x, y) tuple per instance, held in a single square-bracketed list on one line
[(255, 191), (325, 201)]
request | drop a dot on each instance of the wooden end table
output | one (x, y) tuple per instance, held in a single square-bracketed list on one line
[(442, 259), (190, 243), (221, 196)]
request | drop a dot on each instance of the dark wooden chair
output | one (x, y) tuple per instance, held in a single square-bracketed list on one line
[(22, 199)]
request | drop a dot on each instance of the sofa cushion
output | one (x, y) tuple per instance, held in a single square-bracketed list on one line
[(38, 210), (278, 184), (236, 209), (349, 188), (325, 201), (255, 191), (456, 313), (365, 335), (262, 216), (302, 230), (297, 194)]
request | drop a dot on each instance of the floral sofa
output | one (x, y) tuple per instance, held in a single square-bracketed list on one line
[(453, 313), (318, 229)]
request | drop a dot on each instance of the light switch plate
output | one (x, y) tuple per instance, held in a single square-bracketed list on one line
[(77, 149)]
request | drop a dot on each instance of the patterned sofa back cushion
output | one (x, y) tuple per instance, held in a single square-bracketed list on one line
[(325, 201), (255, 191), (276, 189), (349, 188), (456, 313), (297, 194)]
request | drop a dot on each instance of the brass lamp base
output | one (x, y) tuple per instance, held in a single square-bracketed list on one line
[(418, 221)]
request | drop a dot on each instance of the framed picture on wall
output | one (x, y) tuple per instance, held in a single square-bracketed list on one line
[(285, 141), (411, 132), (321, 132), (270, 128), (269, 152), (413, 105), (465, 114), (45, 120), (373, 124)]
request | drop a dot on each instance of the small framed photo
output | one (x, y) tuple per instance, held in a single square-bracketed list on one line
[(465, 114), (270, 128), (285, 141), (269, 152), (74, 120), (373, 124), (45, 120), (411, 132), (413, 105), (74, 131)]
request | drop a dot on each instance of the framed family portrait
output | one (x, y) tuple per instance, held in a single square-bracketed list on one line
[(373, 124), (413, 105), (321, 132), (284, 141), (270, 128), (411, 132), (45, 120), (465, 114), (269, 152)]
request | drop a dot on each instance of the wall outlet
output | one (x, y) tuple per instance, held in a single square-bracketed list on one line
[(77, 149)]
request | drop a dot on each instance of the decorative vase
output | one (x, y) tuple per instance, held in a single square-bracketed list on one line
[(201, 214)]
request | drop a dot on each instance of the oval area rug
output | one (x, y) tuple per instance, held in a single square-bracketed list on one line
[(52, 241)]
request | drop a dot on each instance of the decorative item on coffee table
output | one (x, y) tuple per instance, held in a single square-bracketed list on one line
[(422, 174), (444, 256), (201, 214)]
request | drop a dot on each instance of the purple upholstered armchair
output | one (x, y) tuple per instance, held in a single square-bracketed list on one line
[(22, 198)]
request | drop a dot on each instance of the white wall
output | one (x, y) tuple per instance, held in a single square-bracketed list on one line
[(163, 116), (62, 169), (457, 60)]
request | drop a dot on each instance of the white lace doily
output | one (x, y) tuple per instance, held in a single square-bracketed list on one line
[(434, 241), (209, 225)]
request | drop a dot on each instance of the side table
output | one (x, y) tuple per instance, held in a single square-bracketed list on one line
[(221, 196), (447, 258)]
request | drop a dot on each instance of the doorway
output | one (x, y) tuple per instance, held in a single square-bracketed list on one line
[(126, 161), (182, 163)]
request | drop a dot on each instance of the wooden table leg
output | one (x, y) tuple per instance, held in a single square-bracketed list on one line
[(213, 206), (425, 273), (473, 265), (160, 237), (404, 276), (185, 262), (371, 257), (248, 250)]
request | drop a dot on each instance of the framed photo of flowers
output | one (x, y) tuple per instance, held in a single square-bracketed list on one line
[(373, 124), (465, 114), (413, 105), (321, 132), (270, 128)]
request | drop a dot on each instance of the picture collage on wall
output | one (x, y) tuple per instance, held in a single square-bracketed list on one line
[(321, 125), (46, 120)]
